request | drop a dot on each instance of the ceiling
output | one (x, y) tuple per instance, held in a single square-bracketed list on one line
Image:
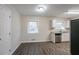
[(55, 10)]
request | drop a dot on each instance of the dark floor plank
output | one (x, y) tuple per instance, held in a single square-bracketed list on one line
[(43, 48)]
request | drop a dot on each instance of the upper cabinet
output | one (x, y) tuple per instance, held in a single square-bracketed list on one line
[(60, 24)]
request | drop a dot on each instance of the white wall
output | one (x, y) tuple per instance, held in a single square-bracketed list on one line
[(43, 28), (9, 23), (5, 29), (16, 29)]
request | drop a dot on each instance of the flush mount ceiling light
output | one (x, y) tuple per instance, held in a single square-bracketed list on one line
[(41, 8), (72, 12)]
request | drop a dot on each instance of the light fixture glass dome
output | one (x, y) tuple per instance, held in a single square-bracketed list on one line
[(41, 8)]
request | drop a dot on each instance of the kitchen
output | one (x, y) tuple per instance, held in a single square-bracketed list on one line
[(60, 29)]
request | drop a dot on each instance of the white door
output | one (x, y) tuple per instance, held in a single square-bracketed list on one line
[(5, 30)]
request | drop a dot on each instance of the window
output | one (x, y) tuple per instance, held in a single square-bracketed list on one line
[(32, 27)]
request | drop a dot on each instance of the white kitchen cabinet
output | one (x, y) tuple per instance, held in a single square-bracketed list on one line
[(65, 36), (52, 37)]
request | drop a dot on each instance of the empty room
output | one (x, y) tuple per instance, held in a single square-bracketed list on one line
[(39, 29)]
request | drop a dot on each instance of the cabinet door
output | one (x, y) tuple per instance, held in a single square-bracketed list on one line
[(66, 36)]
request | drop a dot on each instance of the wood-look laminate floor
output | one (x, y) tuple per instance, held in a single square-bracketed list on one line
[(44, 48)]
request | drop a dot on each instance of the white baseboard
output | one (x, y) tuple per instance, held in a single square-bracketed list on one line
[(33, 41), (15, 49)]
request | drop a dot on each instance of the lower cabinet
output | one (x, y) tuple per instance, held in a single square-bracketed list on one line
[(65, 37)]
